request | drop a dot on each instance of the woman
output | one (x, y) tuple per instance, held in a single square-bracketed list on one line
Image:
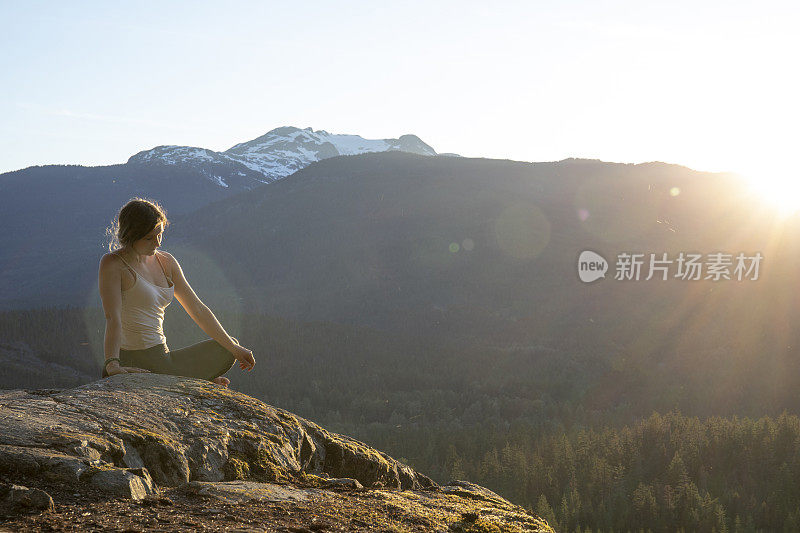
[(137, 282)]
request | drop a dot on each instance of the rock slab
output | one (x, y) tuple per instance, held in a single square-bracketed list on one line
[(131, 435)]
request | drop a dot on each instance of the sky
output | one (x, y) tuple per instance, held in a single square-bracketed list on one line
[(709, 85)]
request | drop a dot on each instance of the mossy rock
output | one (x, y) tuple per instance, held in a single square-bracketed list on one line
[(482, 526), (258, 468), (236, 469), (311, 479)]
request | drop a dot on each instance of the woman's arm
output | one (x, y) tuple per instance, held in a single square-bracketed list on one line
[(203, 316), (195, 308), (110, 281)]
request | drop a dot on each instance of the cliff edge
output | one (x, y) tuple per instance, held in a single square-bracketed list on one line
[(116, 452)]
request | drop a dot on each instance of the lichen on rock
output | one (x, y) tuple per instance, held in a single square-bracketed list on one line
[(130, 434)]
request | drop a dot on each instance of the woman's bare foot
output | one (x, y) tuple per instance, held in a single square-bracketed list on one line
[(222, 381)]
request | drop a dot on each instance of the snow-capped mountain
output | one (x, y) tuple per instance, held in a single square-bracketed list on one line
[(276, 154)]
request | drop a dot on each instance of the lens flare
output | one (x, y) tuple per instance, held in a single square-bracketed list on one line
[(522, 231)]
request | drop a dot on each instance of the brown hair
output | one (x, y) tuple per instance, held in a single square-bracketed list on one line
[(135, 220)]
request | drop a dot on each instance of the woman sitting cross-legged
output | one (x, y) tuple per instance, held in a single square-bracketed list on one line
[(137, 282)]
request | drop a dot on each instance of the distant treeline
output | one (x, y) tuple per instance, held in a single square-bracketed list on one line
[(663, 473)]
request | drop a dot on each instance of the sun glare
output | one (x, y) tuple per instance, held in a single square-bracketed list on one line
[(778, 188)]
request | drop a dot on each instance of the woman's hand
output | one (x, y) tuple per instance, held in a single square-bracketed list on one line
[(114, 368), (244, 356)]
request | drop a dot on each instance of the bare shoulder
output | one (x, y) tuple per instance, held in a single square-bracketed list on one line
[(167, 257), (110, 260), (170, 263)]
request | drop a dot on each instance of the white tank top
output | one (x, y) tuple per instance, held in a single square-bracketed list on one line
[(143, 308)]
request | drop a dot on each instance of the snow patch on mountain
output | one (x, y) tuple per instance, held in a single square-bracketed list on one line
[(173, 155), (219, 181), (276, 154)]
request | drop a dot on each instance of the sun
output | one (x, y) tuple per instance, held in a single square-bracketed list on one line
[(777, 187)]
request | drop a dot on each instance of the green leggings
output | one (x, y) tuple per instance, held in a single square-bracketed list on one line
[(204, 360)]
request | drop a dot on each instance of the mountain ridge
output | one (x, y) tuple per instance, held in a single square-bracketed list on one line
[(276, 154)]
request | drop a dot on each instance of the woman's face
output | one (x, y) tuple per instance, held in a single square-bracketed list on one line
[(147, 245)]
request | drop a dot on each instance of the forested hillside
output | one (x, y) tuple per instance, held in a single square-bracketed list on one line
[(549, 427)]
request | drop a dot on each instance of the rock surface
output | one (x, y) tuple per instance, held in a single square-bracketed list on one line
[(20, 497), (134, 437)]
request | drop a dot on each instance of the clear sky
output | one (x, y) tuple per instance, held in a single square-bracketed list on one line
[(711, 85)]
